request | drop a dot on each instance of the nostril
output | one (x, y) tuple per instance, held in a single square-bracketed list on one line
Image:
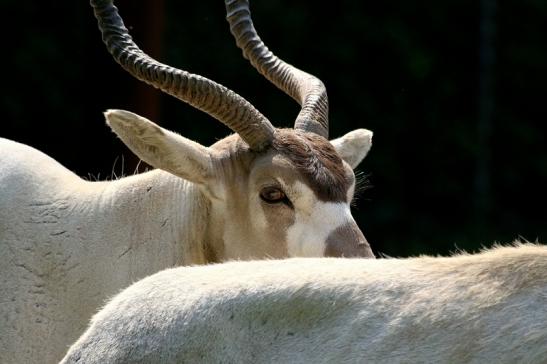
[(367, 251), (348, 241)]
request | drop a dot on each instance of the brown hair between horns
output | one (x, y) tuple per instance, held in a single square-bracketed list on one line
[(317, 160)]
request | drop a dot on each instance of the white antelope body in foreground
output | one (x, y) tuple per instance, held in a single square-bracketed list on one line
[(67, 244), (485, 308)]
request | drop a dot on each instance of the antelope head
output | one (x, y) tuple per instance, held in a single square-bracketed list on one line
[(272, 192)]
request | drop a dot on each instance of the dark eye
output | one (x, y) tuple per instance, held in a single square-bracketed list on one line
[(273, 195)]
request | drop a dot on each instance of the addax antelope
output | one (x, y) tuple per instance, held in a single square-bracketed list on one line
[(484, 308), (67, 244)]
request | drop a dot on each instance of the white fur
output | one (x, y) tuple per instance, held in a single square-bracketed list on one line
[(315, 221), (354, 146), (66, 244), (485, 308)]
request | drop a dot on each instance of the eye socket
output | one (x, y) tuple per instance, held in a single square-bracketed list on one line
[(274, 195)]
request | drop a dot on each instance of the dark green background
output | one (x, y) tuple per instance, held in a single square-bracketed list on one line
[(454, 164)]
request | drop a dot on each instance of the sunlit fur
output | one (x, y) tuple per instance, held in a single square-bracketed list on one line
[(485, 308), (67, 244)]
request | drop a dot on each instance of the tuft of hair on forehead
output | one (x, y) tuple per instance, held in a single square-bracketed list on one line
[(318, 162)]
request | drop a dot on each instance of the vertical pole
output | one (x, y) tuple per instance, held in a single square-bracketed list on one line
[(146, 23), (485, 109)]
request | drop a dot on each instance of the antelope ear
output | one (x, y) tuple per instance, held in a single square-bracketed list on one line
[(160, 147), (354, 146)]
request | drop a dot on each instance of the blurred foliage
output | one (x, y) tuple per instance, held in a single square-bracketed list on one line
[(409, 71)]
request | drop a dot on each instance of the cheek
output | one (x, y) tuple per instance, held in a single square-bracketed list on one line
[(308, 235), (303, 242), (273, 223), (258, 216)]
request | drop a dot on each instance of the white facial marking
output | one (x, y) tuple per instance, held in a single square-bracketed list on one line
[(315, 221)]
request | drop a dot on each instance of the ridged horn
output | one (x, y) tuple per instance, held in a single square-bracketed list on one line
[(206, 95), (306, 89)]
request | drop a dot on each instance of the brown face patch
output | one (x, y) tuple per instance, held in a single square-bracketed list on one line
[(348, 241), (318, 162)]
